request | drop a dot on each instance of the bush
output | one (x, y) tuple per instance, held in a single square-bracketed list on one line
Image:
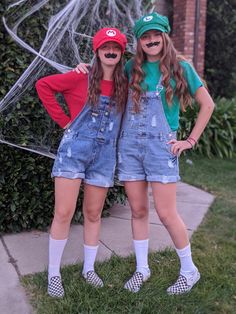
[(219, 137), (26, 192), (220, 48), (26, 188)]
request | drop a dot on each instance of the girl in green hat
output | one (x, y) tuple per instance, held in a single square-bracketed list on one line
[(161, 83)]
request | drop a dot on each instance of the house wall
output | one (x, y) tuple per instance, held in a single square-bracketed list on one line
[(189, 27)]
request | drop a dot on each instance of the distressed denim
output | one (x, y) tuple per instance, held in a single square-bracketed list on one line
[(88, 147), (143, 152)]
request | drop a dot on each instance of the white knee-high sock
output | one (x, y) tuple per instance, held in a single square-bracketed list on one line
[(56, 248), (141, 253), (186, 262), (90, 253)]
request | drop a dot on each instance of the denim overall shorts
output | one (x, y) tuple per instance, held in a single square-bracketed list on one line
[(143, 152), (88, 148)]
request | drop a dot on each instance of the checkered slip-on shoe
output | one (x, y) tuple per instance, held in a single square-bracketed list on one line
[(183, 284), (135, 283), (55, 288), (92, 278)]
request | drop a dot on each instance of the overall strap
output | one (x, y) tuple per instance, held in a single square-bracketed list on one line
[(159, 86), (160, 79)]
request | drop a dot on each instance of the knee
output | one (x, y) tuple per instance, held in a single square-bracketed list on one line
[(63, 215), (167, 218), (140, 212), (92, 215)]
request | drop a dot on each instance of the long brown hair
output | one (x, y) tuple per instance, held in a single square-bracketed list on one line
[(170, 68), (119, 94)]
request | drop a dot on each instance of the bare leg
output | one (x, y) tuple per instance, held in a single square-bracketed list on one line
[(66, 194), (165, 203), (137, 193), (94, 198)]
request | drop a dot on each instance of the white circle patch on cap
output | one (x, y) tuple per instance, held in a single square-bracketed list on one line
[(111, 33), (148, 18)]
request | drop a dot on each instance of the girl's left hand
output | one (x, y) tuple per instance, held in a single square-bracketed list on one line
[(82, 68), (179, 146)]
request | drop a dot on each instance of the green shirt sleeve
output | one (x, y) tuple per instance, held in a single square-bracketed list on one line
[(191, 76)]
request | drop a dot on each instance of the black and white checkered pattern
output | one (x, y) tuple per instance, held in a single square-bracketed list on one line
[(55, 288), (92, 278), (183, 284), (135, 283)]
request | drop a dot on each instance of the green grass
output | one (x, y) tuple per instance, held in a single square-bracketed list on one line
[(214, 251)]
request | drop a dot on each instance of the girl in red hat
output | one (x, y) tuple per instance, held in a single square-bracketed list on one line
[(161, 83), (87, 151)]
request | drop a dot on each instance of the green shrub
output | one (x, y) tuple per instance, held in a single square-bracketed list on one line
[(220, 65), (26, 188), (219, 137), (26, 192)]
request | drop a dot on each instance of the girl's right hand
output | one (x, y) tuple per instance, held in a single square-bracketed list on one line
[(82, 68)]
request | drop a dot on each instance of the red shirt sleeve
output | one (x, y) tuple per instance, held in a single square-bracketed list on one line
[(48, 86)]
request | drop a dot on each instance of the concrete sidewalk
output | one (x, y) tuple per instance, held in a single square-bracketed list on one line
[(27, 252)]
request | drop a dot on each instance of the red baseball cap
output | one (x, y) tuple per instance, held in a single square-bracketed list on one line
[(109, 34)]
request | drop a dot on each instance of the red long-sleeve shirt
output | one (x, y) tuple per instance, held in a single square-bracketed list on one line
[(74, 88)]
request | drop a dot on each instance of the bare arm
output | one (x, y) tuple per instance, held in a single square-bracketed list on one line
[(206, 108)]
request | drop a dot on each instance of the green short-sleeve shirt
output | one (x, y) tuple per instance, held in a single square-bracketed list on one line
[(152, 78)]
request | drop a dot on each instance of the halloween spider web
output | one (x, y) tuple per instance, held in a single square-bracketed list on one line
[(68, 28)]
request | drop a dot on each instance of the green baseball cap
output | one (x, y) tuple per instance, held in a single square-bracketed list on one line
[(151, 21)]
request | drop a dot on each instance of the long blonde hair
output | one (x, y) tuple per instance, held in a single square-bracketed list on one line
[(119, 94), (170, 68)]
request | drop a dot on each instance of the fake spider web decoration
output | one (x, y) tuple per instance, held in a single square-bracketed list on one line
[(69, 27)]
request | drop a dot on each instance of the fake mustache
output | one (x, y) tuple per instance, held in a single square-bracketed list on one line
[(111, 55), (156, 43)]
